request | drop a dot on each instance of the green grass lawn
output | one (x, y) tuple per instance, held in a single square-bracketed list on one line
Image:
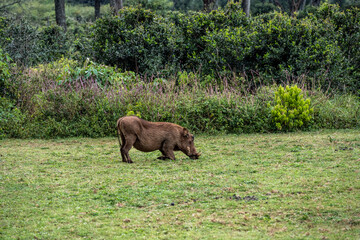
[(258, 186)]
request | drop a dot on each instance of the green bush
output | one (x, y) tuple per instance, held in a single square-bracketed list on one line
[(298, 46), (28, 45), (5, 74), (51, 44), (68, 71), (346, 25), (290, 110), (11, 119), (135, 40), (226, 42)]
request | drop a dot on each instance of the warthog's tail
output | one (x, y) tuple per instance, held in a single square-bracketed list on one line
[(118, 133)]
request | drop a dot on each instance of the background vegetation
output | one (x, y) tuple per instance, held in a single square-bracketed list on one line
[(211, 72)]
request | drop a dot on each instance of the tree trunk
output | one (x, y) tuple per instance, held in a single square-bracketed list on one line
[(60, 13), (115, 6), (316, 3), (246, 7), (97, 8), (303, 5), (208, 5), (295, 6)]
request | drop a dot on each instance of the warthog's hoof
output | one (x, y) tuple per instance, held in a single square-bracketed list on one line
[(163, 158), (128, 161), (195, 156)]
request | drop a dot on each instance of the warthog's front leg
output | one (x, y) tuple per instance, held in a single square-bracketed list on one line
[(163, 155), (168, 151)]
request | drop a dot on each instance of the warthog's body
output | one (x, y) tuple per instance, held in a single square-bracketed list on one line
[(150, 136)]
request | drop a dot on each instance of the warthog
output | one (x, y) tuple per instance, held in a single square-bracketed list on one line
[(150, 136)]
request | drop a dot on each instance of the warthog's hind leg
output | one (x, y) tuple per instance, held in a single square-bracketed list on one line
[(125, 148), (122, 144)]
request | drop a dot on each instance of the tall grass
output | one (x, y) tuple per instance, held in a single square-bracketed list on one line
[(338, 111), (55, 102)]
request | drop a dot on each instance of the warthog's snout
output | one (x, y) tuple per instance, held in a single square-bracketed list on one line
[(195, 156)]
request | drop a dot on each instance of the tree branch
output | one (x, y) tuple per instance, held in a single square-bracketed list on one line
[(9, 4)]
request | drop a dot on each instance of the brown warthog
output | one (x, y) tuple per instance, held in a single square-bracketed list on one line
[(150, 136)]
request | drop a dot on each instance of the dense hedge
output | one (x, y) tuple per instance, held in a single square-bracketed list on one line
[(323, 44)]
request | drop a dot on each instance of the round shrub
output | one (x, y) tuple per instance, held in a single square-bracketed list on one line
[(290, 110)]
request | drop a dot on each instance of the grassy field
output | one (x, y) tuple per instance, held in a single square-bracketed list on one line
[(260, 186)]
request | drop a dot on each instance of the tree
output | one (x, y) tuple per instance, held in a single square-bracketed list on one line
[(295, 5), (157, 5), (208, 5), (246, 7), (315, 3), (97, 8), (115, 6), (186, 5), (60, 13), (4, 6)]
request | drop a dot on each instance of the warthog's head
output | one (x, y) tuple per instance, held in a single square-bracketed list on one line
[(187, 145)]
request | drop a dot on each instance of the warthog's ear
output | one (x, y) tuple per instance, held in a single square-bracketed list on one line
[(185, 132)]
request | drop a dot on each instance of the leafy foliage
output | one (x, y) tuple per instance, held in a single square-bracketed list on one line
[(225, 42), (290, 110), (321, 44), (4, 72), (11, 119), (52, 44), (28, 45), (135, 40)]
